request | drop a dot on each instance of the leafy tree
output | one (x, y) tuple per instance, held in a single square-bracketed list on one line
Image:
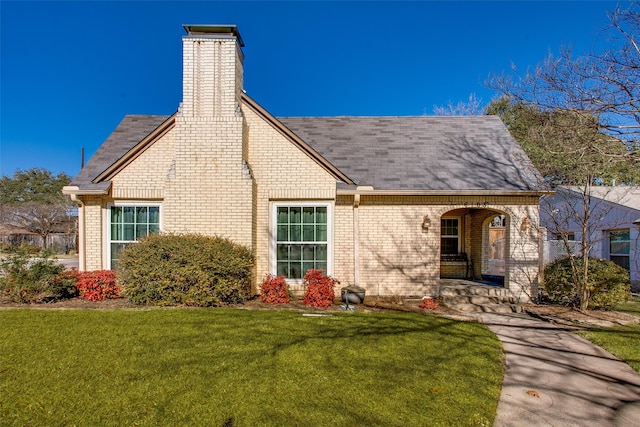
[(33, 200)]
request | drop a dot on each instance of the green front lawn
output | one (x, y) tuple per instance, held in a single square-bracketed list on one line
[(621, 341), (228, 367)]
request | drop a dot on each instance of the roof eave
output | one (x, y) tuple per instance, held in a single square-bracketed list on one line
[(369, 191)]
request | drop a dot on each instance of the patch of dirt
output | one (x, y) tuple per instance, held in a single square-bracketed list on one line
[(568, 316)]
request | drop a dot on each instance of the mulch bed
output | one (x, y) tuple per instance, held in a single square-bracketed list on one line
[(551, 313)]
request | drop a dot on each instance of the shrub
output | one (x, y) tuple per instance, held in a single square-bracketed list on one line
[(319, 289), (98, 285), (428, 303), (24, 279), (187, 269), (608, 283), (63, 285), (274, 290)]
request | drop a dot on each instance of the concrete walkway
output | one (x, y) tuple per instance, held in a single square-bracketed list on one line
[(556, 378)]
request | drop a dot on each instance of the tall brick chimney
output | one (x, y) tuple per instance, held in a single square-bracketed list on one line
[(209, 187), (212, 80)]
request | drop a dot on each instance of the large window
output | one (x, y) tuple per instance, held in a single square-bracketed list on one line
[(449, 236), (619, 246), (127, 224), (302, 239)]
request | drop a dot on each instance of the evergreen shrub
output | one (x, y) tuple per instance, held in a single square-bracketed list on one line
[(185, 269), (26, 280), (608, 283)]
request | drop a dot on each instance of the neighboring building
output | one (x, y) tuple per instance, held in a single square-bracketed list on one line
[(613, 227), (387, 203)]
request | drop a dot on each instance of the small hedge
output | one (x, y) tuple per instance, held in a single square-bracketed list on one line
[(608, 283), (26, 280), (274, 290), (319, 289), (194, 270)]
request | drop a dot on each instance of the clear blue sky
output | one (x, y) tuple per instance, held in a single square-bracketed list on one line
[(71, 70)]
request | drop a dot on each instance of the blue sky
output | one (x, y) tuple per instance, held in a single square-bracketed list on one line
[(69, 71)]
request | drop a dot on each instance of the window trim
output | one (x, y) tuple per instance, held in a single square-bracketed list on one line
[(107, 224), (619, 231), (459, 236), (273, 231)]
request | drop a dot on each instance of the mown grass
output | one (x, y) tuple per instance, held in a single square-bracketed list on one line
[(168, 367), (621, 341)]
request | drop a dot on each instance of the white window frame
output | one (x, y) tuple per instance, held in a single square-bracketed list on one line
[(459, 236), (107, 224), (273, 256)]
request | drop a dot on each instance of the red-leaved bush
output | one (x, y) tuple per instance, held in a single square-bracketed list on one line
[(274, 290), (98, 285), (319, 289), (428, 303)]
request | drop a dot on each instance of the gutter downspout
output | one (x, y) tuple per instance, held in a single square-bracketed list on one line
[(81, 233), (356, 240)]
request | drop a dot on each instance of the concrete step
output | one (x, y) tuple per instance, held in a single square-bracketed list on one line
[(473, 290), (478, 299), (487, 308)]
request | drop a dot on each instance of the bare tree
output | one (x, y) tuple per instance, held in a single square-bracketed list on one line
[(584, 126), (472, 107)]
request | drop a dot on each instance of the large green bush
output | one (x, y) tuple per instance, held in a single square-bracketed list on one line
[(608, 283), (28, 280), (188, 269)]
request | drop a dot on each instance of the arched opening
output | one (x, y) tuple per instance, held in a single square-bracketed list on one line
[(474, 244)]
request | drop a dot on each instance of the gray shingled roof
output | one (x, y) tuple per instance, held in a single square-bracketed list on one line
[(420, 153), (131, 130), (388, 153)]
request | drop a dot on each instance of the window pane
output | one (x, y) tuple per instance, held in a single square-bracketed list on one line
[(620, 248), (308, 216), (283, 233), (116, 215), (127, 232), (321, 253), (321, 233), (116, 248), (295, 233), (308, 233), (620, 235), (295, 253), (295, 271), (321, 215), (154, 229), (283, 215), (449, 246), (116, 232), (154, 215), (142, 216), (282, 253), (128, 214), (283, 269), (308, 252), (295, 215)]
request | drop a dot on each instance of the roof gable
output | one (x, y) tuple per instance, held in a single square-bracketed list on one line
[(132, 130)]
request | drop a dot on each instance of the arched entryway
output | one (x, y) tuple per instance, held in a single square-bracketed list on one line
[(474, 244)]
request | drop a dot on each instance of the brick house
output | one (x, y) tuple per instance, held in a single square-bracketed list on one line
[(391, 204)]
